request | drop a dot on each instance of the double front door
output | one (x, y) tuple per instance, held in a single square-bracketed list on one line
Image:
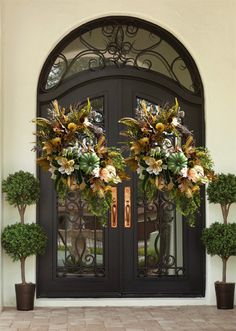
[(146, 248)]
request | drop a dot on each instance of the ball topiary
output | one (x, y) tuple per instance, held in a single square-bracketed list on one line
[(222, 190), (22, 240), (21, 189), (220, 239)]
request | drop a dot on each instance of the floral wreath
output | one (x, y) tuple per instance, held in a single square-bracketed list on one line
[(74, 150), (164, 155)]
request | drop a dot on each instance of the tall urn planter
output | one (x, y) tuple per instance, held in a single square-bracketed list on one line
[(220, 238), (21, 240)]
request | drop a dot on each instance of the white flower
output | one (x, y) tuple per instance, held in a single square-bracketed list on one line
[(175, 121), (67, 166), (184, 172), (108, 174), (52, 169), (167, 144), (86, 122), (155, 151), (140, 172), (96, 172), (154, 165)]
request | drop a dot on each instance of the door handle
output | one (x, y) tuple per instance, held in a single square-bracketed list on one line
[(127, 207), (114, 217)]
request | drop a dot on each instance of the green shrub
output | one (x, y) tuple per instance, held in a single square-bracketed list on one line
[(220, 239), (22, 240), (222, 190), (21, 189)]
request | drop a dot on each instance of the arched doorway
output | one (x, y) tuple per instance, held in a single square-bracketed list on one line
[(149, 251)]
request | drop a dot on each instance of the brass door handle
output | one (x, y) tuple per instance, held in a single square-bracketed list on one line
[(127, 207), (114, 207)]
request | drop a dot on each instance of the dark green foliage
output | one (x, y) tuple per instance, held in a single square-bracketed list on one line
[(22, 240), (99, 207), (222, 190), (21, 189), (187, 207), (220, 239)]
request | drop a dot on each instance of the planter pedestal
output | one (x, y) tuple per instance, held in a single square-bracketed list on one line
[(25, 296), (225, 295)]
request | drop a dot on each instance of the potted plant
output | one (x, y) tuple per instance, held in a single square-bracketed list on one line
[(220, 238), (21, 240)]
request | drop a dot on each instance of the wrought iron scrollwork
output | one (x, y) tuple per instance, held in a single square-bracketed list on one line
[(80, 239), (159, 234), (121, 45)]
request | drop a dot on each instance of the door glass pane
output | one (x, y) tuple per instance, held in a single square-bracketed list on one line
[(80, 235), (121, 45), (159, 231)]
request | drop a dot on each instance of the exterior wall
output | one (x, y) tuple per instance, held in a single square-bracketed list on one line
[(1, 117), (31, 29)]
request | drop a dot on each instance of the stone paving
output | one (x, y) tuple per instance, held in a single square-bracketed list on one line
[(119, 319)]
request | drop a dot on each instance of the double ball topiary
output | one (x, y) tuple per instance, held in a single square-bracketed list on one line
[(220, 239), (21, 240)]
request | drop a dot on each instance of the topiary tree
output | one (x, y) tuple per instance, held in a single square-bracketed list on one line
[(220, 239), (222, 190), (22, 190), (22, 240)]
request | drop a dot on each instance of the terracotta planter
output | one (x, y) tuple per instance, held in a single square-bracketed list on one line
[(25, 296), (225, 295)]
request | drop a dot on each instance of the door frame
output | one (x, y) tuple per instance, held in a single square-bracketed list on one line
[(54, 293), (91, 76)]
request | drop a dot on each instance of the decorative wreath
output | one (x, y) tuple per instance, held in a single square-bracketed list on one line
[(74, 150), (163, 153)]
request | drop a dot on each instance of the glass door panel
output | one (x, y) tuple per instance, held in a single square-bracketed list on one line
[(80, 235), (80, 239), (159, 230), (161, 253), (159, 237)]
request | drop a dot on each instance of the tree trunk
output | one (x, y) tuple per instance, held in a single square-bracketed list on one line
[(224, 260), (225, 211), (21, 210), (22, 266)]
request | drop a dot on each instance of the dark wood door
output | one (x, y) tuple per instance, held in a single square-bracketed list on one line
[(158, 255)]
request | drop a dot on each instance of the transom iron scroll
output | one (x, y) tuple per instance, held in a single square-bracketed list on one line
[(122, 42)]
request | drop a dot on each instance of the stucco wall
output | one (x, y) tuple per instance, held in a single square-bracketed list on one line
[(1, 111), (32, 28)]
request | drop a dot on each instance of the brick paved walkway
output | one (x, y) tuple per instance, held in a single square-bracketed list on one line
[(119, 319)]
